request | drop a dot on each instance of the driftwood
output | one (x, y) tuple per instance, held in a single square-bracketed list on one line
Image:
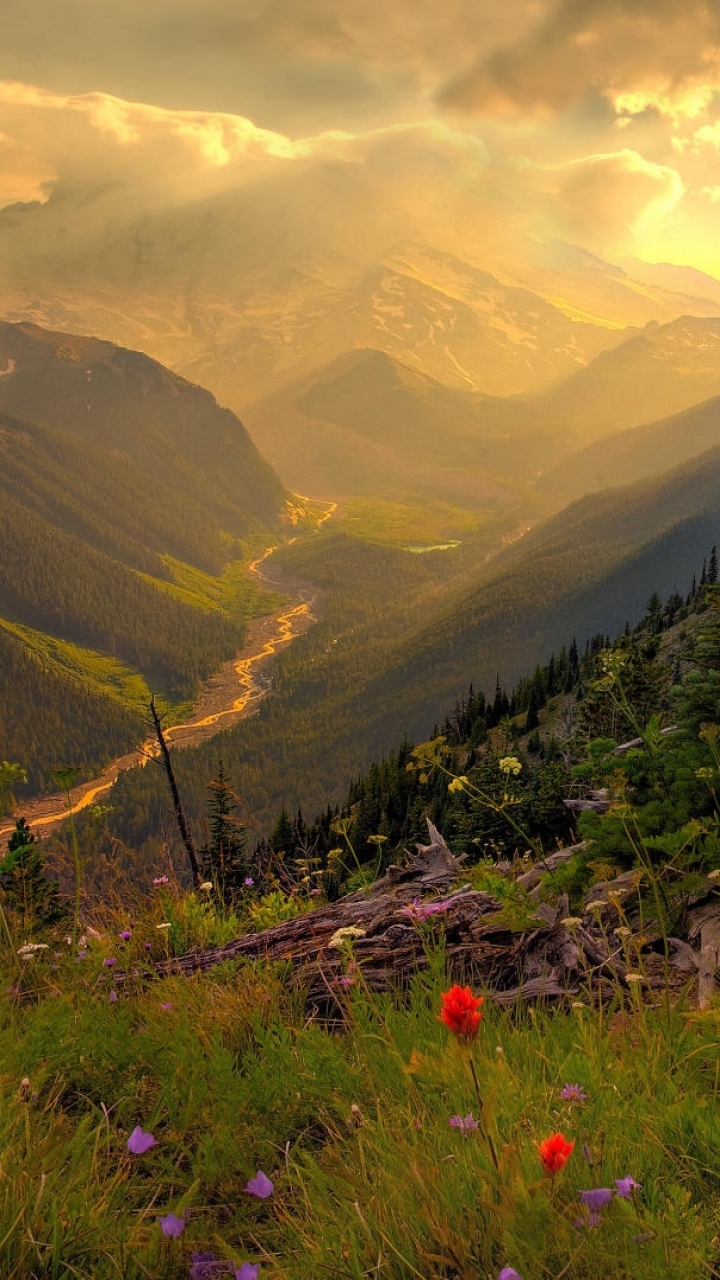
[(380, 936)]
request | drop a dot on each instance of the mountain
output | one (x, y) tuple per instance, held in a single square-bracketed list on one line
[(125, 492), (589, 569), (634, 454), (259, 284), (663, 370), (144, 418), (368, 423), (615, 294)]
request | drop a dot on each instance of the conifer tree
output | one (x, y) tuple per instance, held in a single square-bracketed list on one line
[(223, 860), (27, 892)]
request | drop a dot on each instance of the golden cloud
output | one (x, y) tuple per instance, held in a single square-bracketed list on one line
[(639, 54), (604, 202)]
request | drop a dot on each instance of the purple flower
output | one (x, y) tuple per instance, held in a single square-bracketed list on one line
[(509, 1273), (574, 1093), (160, 880), (247, 1272), (172, 1225), (113, 997), (138, 1142), (148, 946), (205, 1266), (626, 1186), (168, 1005), (596, 1199), (249, 882), (465, 1125), (259, 1186), (126, 935), (109, 961)]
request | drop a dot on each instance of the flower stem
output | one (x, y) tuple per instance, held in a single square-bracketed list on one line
[(481, 1106)]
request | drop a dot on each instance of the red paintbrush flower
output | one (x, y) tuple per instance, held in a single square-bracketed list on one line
[(554, 1152), (460, 1011)]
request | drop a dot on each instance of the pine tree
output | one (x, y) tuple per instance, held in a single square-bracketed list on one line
[(223, 860), (27, 892)]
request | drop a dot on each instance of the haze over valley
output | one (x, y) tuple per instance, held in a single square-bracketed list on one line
[(380, 273)]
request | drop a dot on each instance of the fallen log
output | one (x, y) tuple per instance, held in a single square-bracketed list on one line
[(380, 937)]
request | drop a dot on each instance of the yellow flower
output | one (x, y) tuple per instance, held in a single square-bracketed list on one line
[(510, 764)]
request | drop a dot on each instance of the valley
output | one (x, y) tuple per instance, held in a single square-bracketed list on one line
[(228, 696)]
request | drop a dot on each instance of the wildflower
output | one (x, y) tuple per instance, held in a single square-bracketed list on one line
[(205, 1266), (622, 931), (626, 1186), (157, 880), (31, 949), (460, 1011), (634, 977), (206, 886), (509, 1273), (148, 946), (465, 1125), (172, 1225), (596, 1199), (92, 933), (166, 924), (571, 922), (139, 1142), (247, 1272), (458, 784), (166, 1006), (113, 997), (259, 1186), (126, 935), (714, 875), (574, 1093), (109, 961), (510, 764), (248, 882), (423, 910), (346, 934), (554, 1153)]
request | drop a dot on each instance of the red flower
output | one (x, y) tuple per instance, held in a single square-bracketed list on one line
[(460, 1011), (554, 1152)]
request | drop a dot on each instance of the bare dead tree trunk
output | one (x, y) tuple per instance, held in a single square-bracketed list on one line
[(179, 814)]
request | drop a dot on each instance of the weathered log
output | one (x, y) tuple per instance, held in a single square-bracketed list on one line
[(380, 936)]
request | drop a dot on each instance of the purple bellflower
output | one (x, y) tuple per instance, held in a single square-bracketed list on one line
[(259, 1186), (138, 1142)]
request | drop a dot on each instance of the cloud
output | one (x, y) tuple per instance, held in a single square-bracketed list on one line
[(603, 202), (95, 138), (638, 54)]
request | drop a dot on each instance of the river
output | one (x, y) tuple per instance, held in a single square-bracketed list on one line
[(230, 695)]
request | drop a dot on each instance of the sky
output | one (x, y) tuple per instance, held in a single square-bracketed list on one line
[(594, 120)]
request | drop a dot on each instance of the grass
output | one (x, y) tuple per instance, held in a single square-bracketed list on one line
[(95, 671), (399, 523), (348, 1118)]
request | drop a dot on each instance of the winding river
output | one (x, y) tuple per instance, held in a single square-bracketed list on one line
[(229, 696)]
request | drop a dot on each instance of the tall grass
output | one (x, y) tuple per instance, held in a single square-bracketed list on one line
[(349, 1117)]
